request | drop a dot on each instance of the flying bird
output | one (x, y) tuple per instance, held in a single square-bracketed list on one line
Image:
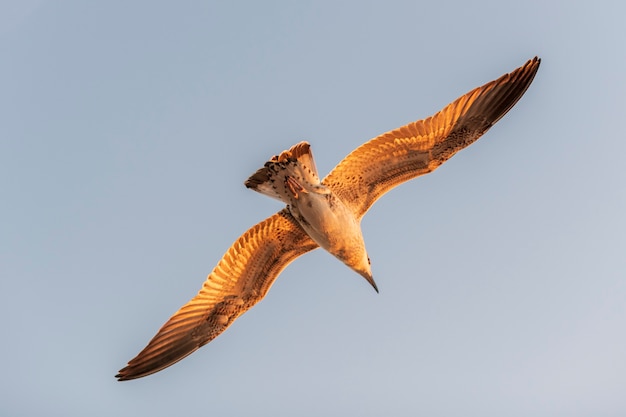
[(324, 213)]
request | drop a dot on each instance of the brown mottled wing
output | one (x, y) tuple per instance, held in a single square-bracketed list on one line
[(420, 147), (239, 281)]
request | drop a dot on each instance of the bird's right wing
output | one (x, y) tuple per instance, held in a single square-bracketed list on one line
[(420, 147), (239, 281)]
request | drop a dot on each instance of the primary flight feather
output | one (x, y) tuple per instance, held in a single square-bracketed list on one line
[(323, 213)]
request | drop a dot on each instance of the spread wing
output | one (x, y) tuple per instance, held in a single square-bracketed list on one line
[(420, 147), (239, 281)]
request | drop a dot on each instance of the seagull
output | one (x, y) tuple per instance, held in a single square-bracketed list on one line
[(324, 213)]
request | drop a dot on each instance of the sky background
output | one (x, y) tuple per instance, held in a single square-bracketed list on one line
[(127, 129)]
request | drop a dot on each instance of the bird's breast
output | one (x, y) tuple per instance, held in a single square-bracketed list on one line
[(327, 220)]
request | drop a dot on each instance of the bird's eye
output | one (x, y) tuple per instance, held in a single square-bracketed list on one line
[(368, 261)]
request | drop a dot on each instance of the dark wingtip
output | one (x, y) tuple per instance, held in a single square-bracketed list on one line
[(123, 376)]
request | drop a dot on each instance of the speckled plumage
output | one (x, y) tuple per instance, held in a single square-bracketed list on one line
[(316, 210)]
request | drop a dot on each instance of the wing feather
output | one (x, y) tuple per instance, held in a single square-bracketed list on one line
[(241, 279), (420, 147)]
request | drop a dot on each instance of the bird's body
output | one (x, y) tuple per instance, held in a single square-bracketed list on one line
[(331, 224), (323, 213)]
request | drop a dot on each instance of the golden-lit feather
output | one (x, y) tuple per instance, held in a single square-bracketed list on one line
[(420, 147), (241, 279), (247, 270)]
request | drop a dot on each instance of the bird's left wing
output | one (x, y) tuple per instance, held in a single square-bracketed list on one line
[(241, 279)]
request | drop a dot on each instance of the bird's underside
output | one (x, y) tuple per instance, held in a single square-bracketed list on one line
[(323, 213)]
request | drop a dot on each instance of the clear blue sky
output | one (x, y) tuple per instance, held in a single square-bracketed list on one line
[(128, 128)]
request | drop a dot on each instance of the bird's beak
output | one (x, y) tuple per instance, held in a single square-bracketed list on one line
[(370, 279)]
